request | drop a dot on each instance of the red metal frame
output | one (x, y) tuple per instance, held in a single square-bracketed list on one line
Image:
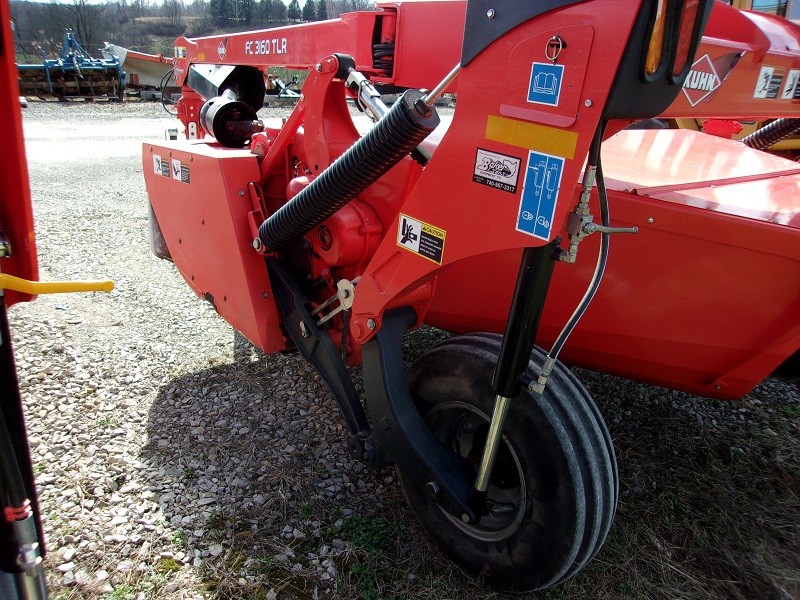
[(423, 56), (16, 215), (719, 237), (763, 41)]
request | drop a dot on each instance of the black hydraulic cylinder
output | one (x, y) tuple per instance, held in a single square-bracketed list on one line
[(400, 131), (533, 281)]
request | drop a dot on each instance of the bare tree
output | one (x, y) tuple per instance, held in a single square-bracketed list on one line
[(173, 10), (88, 22), (138, 8)]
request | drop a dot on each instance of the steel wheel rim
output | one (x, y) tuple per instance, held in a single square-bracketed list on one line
[(460, 426)]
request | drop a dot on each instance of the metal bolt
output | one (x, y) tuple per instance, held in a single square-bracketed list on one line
[(265, 295), (318, 67), (302, 97), (465, 518), (241, 193), (304, 330), (433, 488), (490, 13), (257, 244), (587, 103), (371, 324), (650, 220)]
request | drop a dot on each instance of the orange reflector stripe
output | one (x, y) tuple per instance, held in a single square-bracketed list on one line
[(531, 136)]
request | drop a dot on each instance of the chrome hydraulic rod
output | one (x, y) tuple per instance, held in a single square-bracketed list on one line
[(501, 405), (436, 92)]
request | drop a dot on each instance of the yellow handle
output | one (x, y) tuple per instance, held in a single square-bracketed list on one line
[(9, 282)]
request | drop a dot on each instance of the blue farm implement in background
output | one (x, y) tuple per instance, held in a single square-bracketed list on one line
[(74, 74)]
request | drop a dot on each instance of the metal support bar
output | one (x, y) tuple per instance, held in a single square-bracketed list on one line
[(317, 347), (401, 434)]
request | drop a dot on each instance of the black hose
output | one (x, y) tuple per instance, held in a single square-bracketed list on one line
[(602, 257), (772, 133), (393, 137)]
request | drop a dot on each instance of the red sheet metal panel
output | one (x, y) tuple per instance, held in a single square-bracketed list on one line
[(705, 298), (200, 198), (707, 172)]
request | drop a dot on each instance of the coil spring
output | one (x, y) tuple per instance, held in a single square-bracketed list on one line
[(772, 133), (392, 138), (383, 57)]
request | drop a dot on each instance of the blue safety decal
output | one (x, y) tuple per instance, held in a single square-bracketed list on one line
[(539, 194), (545, 85)]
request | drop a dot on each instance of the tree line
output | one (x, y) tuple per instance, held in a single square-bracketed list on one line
[(152, 26)]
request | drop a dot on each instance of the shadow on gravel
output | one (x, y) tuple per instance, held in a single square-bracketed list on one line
[(259, 493)]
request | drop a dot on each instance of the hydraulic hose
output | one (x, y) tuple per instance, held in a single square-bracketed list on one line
[(772, 133), (599, 270), (401, 130), (600, 267)]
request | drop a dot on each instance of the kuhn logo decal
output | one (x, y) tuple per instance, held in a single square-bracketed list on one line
[(222, 49), (701, 81)]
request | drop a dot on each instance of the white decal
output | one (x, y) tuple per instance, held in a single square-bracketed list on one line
[(266, 46)]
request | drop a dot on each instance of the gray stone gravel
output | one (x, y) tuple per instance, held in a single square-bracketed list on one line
[(157, 433), (166, 449)]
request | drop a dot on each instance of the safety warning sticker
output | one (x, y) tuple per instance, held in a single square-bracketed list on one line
[(790, 87), (180, 171), (769, 82), (160, 167), (421, 238), (539, 194), (545, 84), (496, 170)]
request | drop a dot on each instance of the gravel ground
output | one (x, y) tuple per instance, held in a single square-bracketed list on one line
[(174, 461)]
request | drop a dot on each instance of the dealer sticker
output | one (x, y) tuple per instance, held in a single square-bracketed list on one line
[(421, 238), (496, 170), (539, 194)]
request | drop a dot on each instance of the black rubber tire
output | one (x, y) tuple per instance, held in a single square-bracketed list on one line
[(556, 459)]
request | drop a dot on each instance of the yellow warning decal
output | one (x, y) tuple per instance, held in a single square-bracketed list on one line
[(421, 238), (532, 136)]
